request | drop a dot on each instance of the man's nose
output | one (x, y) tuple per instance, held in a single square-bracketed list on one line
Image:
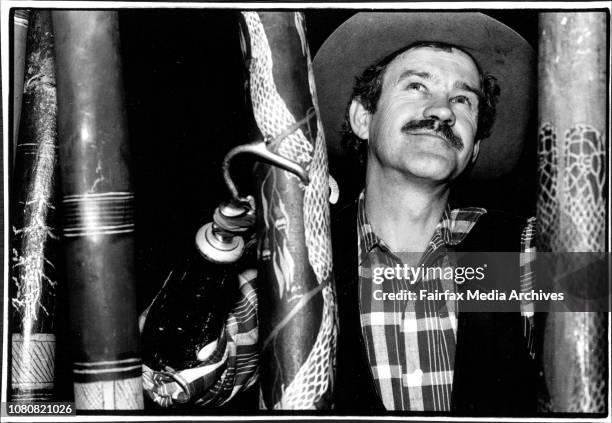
[(440, 109)]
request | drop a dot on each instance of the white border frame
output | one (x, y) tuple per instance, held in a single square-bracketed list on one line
[(5, 25)]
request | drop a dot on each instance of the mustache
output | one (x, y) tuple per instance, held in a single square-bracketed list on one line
[(439, 128)]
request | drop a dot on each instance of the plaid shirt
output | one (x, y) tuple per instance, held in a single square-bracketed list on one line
[(410, 345)]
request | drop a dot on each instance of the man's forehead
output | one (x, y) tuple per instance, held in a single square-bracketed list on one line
[(451, 58)]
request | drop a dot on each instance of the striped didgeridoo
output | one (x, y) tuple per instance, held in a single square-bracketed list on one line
[(33, 239), (297, 306), (98, 209), (20, 32), (572, 199)]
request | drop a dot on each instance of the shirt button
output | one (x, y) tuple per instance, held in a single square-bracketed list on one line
[(415, 378)]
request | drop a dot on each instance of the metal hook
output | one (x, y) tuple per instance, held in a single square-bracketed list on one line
[(260, 150)]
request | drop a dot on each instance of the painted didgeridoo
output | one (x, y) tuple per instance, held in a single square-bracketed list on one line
[(572, 203), (297, 305), (34, 243), (98, 209)]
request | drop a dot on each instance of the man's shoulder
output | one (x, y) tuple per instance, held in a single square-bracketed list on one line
[(504, 221), (496, 230)]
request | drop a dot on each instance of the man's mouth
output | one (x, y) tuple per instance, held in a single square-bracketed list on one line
[(432, 134), (434, 128)]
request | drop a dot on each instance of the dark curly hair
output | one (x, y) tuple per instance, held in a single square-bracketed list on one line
[(368, 88)]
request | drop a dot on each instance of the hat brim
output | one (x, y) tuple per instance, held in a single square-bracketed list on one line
[(367, 37)]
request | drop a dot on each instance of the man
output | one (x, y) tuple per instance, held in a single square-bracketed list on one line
[(418, 115)]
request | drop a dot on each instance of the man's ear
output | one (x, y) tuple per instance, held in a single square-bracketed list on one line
[(475, 151), (360, 119)]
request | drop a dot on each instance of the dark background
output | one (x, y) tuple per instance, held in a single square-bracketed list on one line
[(184, 83)]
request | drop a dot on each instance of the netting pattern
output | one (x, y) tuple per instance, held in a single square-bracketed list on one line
[(271, 113), (583, 213), (589, 369), (547, 210)]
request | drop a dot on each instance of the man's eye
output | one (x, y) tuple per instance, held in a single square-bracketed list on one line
[(461, 99), (416, 86)]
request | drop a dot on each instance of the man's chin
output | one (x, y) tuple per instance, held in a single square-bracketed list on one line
[(435, 168), (433, 176)]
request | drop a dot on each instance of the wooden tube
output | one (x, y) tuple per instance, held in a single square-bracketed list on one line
[(297, 310), (98, 209), (34, 239), (572, 199)]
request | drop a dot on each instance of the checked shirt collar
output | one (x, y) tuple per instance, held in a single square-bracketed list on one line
[(453, 227)]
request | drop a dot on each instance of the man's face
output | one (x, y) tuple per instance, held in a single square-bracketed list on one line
[(425, 121)]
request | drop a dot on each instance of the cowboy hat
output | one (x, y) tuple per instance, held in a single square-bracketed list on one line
[(368, 37)]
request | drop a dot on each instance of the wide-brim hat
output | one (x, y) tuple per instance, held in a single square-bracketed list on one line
[(368, 37)]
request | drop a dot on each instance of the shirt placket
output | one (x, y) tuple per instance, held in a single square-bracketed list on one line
[(415, 356), (436, 346)]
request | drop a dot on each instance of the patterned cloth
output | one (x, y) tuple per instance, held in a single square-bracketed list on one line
[(227, 366), (410, 345)]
